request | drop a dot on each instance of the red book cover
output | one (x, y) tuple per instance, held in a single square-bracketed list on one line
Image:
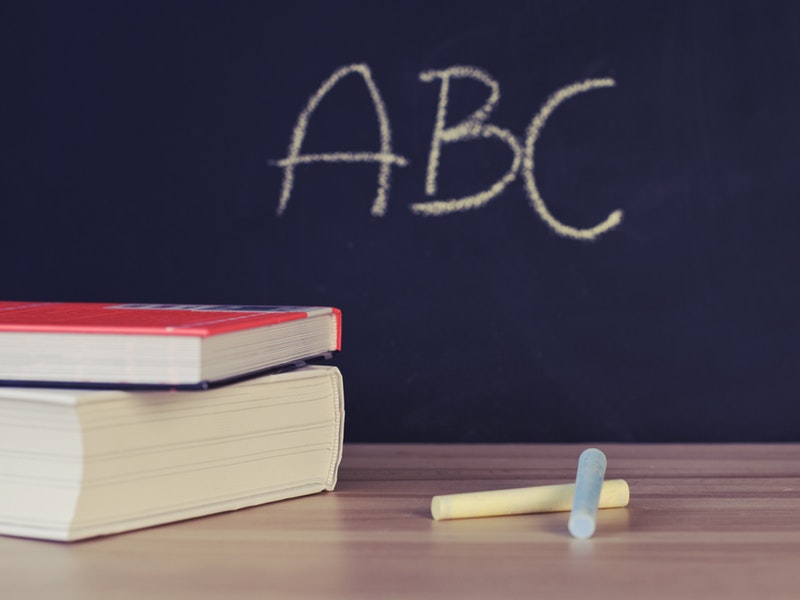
[(202, 320)]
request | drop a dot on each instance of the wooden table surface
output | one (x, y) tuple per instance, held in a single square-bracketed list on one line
[(704, 521)]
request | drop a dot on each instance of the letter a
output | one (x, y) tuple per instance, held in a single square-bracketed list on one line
[(473, 127), (384, 157)]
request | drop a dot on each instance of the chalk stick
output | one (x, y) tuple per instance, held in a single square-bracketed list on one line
[(588, 485), (517, 501)]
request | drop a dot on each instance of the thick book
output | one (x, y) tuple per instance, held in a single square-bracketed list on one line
[(158, 345), (79, 463)]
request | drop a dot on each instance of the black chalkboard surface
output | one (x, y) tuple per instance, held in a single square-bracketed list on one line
[(543, 221)]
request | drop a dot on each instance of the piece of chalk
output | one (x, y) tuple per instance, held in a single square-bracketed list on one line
[(588, 484), (518, 501)]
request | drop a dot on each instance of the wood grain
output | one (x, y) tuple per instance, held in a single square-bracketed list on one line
[(704, 521)]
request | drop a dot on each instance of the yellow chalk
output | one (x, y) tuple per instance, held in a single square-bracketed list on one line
[(544, 498)]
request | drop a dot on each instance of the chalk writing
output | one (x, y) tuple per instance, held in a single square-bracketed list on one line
[(473, 127), (535, 128), (384, 157)]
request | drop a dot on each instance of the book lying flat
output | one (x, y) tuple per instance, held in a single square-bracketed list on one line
[(162, 345), (77, 463)]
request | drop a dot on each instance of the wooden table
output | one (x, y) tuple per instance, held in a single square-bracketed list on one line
[(705, 521)]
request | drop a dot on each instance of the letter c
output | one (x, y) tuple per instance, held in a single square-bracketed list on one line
[(535, 128)]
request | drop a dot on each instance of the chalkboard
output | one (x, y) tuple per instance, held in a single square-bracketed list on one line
[(543, 221)]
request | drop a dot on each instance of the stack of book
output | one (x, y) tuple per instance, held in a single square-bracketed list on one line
[(120, 416)]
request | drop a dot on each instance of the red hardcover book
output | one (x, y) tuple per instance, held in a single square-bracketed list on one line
[(161, 345)]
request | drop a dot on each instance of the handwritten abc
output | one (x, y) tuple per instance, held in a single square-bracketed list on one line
[(473, 127)]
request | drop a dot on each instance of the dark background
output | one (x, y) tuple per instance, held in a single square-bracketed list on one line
[(135, 165)]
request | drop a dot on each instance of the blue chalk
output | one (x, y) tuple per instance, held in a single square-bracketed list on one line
[(588, 482)]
